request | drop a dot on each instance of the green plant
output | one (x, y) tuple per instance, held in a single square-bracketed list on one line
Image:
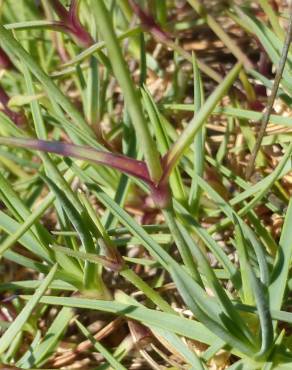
[(96, 148)]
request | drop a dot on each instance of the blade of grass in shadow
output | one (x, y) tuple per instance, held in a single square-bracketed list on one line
[(174, 341), (255, 291), (234, 217), (239, 328), (43, 350), (210, 243), (116, 263), (265, 318), (91, 279), (247, 292), (24, 315), (154, 249), (100, 348), (179, 325), (182, 246), (187, 292)]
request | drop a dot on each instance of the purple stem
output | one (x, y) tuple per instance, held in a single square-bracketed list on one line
[(160, 192), (149, 23), (69, 20), (122, 163), (60, 10), (5, 62)]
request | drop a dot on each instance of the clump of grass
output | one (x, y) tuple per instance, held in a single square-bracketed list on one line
[(130, 237)]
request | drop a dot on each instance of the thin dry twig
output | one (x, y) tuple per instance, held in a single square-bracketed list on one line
[(272, 98)]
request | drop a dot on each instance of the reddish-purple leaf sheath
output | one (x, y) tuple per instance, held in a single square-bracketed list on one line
[(122, 163), (69, 21), (160, 192), (60, 10), (149, 23), (5, 62)]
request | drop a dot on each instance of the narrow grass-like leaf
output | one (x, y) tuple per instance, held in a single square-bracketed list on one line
[(21, 319), (99, 46), (247, 294), (210, 243), (182, 326), (32, 346), (90, 276), (234, 217), (187, 292), (149, 292), (154, 249), (100, 348), (182, 246), (263, 308), (185, 139), (182, 348), (18, 232), (43, 350), (34, 284), (123, 163), (219, 31), (21, 211), (92, 93), (131, 95), (282, 264), (194, 196), (156, 119), (90, 257), (35, 24), (271, 13), (9, 43), (236, 112), (240, 329)]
